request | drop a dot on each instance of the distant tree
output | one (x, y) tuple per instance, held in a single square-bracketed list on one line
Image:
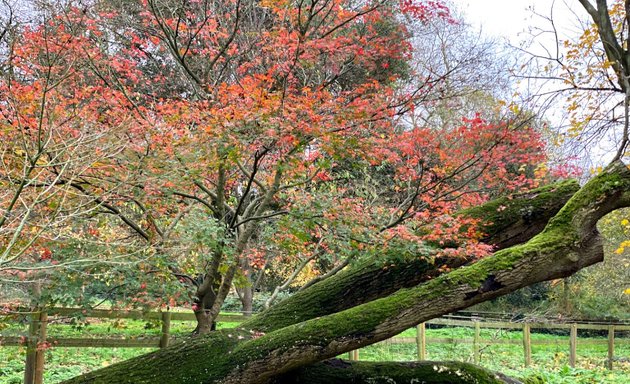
[(61, 126), (588, 76)]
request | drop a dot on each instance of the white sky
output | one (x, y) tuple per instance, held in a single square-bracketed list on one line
[(510, 18)]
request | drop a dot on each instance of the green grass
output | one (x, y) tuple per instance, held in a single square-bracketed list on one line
[(64, 363), (549, 362)]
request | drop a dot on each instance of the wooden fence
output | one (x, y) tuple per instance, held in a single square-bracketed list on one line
[(421, 340), (37, 342)]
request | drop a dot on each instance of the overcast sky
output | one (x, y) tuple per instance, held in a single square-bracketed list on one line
[(510, 18)]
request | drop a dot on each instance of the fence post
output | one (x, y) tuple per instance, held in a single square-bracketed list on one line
[(31, 349), (527, 344), (355, 355), (611, 346), (166, 329), (476, 343), (573, 346), (421, 341), (40, 348)]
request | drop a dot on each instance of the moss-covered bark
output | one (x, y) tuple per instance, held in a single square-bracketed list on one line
[(506, 221), (514, 219), (564, 247), (185, 362), (568, 243), (428, 372)]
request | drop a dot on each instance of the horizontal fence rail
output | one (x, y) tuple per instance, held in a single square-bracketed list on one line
[(36, 341), (519, 325), (452, 340)]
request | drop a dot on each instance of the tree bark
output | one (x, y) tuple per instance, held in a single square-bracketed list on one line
[(359, 372), (507, 221), (246, 295), (569, 242)]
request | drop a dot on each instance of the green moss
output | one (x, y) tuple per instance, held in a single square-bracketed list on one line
[(347, 288), (344, 290), (194, 360), (337, 372), (499, 214), (615, 179), (362, 321)]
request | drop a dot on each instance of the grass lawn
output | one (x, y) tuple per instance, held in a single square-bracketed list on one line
[(549, 362)]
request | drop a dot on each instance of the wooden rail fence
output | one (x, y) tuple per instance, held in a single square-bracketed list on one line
[(37, 342), (421, 340)]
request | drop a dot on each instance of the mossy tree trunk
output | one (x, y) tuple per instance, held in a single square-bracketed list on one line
[(509, 221), (336, 371), (292, 338)]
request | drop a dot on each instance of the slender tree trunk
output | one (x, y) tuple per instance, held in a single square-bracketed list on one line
[(566, 297), (260, 350), (246, 291), (206, 296), (246, 295), (205, 299)]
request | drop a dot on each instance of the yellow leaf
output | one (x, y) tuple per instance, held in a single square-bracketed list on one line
[(627, 291), (625, 222), (596, 170)]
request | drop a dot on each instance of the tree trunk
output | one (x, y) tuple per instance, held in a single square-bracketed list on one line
[(336, 371), (205, 322), (205, 299), (261, 350), (509, 221), (567, 308), (246, 295)]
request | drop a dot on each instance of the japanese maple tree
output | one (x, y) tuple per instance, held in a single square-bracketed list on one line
[(238, 113)]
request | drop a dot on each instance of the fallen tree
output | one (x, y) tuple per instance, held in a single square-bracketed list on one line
[(289, 340), (336, 371)]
